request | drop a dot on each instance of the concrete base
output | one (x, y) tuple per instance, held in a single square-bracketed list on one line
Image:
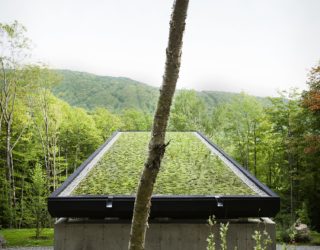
[(165, 235)]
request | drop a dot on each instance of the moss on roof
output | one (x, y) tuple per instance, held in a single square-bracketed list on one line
[(188, 168)]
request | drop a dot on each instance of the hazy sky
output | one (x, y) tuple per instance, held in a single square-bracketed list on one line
[(256, 46)]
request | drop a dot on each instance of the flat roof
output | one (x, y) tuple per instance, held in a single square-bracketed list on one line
[(197, 179), (189, 167)]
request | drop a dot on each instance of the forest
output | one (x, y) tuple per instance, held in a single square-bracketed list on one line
[(43, 138)]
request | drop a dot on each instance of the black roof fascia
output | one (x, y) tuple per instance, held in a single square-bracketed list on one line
[(200, 207)]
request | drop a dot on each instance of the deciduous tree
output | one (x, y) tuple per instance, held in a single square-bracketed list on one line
[(157, 143), (14, 49)]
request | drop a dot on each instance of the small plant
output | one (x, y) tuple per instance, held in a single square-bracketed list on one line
[(262, 240), (223, 231), (210, 239), (292, 235), (223, 235), (303, 214)]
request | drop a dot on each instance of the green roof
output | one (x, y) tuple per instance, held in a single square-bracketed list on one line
[(188, 168)]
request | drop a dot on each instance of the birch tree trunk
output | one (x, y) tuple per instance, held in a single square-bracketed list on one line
[(157, 144)]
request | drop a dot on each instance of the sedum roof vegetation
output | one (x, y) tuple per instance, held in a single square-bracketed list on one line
[(188, 168)]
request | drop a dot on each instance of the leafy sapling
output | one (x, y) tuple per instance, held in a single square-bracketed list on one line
[(223, 235), (38, 200), (262, 240), (211, 243)]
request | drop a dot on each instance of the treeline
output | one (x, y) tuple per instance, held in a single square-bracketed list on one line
[(278, 142), (43, 139), (38, 129)]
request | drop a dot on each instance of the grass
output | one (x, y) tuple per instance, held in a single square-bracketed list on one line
[(315, 238), (189, 168), (26, 237)]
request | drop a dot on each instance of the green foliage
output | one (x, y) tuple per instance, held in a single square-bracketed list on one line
[(114, 93), (262, 240), (292, 236), (25, 237), (223, 235), (119, 93), (315, 238), (189, 168), (311, 105), (242, 122), (211, 238), (106, 122), (288, 236), (187, 111), (15, 45), (303, 215), (135, 120), (13, 89)]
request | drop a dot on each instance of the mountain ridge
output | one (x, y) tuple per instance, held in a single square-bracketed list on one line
[(88, 91)]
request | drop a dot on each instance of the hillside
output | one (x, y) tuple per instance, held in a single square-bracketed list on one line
[(117, 93)]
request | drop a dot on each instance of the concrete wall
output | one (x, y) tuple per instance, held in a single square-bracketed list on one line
[(165, 235)]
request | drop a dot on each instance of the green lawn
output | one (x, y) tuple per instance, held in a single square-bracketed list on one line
[(25, 237), (189, 168), (315, 238)]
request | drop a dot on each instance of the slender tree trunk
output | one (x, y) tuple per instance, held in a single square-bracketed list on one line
[(13, 180), (22, 201), (44, 149), (157, 144), (38, 229), (66, 160), (270, 164), (241, 147), (291, 187), (54, 156), (290, 165), (4, 82), (248, 146), (9, 159), (9, 202), (47, 145), (59, 165), (75, 164), (269, 175), (1, 118), (255, 150)]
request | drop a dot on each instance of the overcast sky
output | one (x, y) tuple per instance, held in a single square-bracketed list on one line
[(256, 46)]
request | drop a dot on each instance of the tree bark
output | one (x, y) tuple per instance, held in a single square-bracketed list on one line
[(255, 149), (157, 144)]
